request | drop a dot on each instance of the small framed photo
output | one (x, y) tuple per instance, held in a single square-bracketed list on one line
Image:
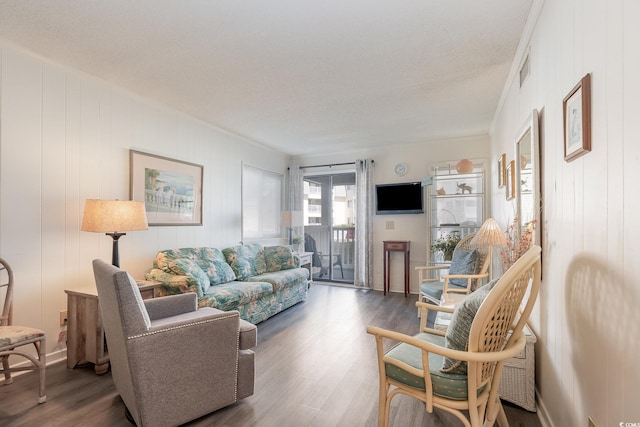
[(576, 113), (511, 180), (502, 170), (171, 189)]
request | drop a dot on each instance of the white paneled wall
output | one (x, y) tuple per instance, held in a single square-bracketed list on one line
[(587, 319), (65, 137)]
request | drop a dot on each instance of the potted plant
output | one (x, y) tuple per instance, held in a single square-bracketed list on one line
[(298, 242), (446, 244)]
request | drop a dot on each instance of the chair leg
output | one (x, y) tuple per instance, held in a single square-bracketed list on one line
[(383, 406), (42, 366), (502, 417), (5, 367)]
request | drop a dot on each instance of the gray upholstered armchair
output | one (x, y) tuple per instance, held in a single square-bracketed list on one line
[(172, 362)]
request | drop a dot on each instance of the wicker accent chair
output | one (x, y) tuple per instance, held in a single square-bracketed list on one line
[(432, 287), (170, 361), (416, 365), (13, 338)]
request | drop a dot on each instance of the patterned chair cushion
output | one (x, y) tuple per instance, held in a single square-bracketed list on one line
[(463, 262), (246, 260), (457, 335), (280, 258), (448, 385)]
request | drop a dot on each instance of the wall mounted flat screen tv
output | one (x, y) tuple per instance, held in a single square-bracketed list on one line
[(402, 198)]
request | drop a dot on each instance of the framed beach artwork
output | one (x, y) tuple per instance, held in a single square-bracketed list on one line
[(171, 189), (576, 113)]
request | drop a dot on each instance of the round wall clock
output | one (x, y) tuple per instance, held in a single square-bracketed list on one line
[(400, 169)]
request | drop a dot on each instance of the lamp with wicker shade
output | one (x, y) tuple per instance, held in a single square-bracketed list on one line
[(490, 235), (112, 217)]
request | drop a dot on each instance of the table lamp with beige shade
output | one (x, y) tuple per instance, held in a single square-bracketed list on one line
[(112, 217), (490, 236)]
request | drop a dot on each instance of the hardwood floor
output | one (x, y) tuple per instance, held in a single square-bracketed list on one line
[(315, 366)]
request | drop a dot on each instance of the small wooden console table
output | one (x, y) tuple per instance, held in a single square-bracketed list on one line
[(85, 335), (396, 246)]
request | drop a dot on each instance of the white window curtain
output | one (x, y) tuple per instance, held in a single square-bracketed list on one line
[(363, 273)]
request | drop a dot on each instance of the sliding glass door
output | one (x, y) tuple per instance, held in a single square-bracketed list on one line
[(329, 224)]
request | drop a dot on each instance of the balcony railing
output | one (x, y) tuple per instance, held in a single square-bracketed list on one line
[(343, 241)]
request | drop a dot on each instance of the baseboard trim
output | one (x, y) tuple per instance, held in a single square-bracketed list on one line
[(543, 413)]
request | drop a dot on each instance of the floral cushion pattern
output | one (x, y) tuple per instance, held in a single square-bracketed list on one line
[(173, 284), (186, 267), (260, 308), (457, 336), (210, 260), (246, 260), (232, 295), (281, 279), (235, 278), (280, 258)]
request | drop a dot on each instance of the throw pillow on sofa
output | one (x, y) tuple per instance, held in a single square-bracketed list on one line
[(279, 258), (246, 260), (212, 262), (186, 267)]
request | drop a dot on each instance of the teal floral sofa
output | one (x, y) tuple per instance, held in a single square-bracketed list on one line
[(255, 280)]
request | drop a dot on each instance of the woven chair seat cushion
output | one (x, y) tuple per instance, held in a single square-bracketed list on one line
[(433, 290), (450, 386), (11, 335)]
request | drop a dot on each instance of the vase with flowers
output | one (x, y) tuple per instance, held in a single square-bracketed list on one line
[(446, 244), (517, 242)]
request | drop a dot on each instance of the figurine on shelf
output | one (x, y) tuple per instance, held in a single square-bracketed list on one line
[(464, 187), (441, 191)]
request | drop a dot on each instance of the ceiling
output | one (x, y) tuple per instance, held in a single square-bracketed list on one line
[(303, 77)]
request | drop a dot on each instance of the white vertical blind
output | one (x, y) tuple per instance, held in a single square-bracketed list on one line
[(261, 202)]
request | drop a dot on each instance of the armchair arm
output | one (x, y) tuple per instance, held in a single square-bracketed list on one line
[(171, 305), (470, 280), (424, 308), (429, 269), (185, 350), (467, 356)]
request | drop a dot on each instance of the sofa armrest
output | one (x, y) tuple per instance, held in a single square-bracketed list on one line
[(171, 305), (173, 284)]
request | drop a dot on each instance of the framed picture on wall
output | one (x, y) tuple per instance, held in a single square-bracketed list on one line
[(576, 113), (510, 184), (171, 189), (502, 170)]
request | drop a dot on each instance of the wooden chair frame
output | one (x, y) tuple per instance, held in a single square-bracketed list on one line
[(428, 274), (19, 336), (496, 335)]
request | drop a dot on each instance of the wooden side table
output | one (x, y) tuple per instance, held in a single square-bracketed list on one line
[(85, 334), (396, 246)]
